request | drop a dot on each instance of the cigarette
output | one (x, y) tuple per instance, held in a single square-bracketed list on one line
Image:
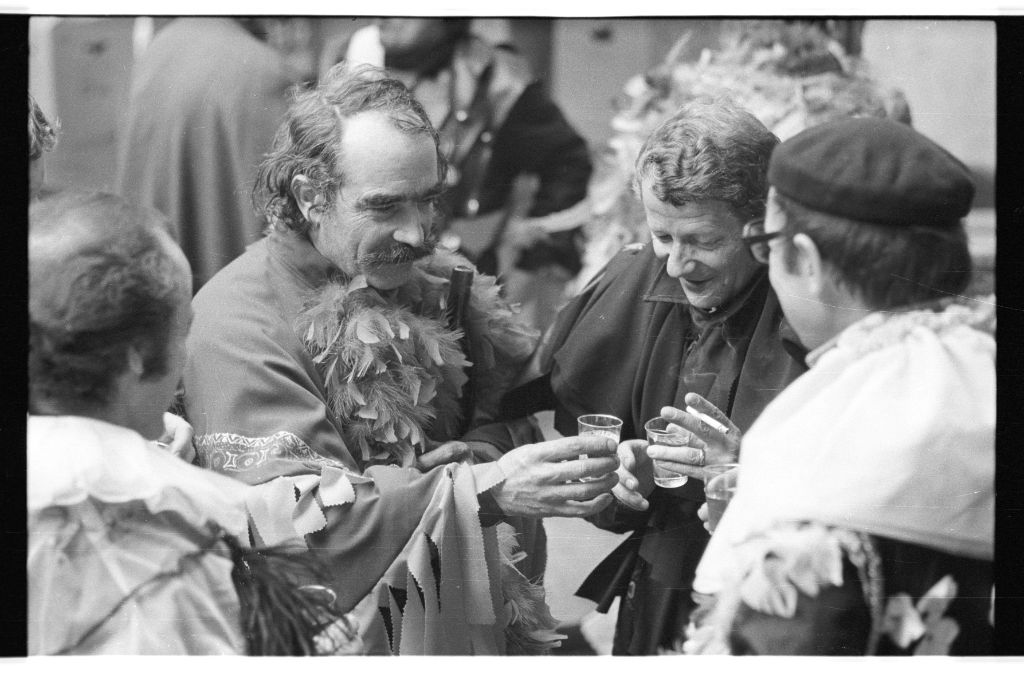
[(707, 419)]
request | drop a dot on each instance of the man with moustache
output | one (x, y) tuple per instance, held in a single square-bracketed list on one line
[(497, 126), (321, 369)]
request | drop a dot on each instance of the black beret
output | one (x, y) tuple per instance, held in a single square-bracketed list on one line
[(874, 170)]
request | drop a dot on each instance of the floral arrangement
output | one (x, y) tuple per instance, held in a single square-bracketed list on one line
[(790, 75)]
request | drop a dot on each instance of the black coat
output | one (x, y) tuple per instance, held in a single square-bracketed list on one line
[(628, 345)]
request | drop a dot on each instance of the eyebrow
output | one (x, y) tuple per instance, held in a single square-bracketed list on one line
[(381, 199)]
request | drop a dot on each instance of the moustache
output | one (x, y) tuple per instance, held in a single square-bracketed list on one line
[(399, 253)]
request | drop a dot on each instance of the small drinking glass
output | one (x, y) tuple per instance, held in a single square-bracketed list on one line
[(601, 425), (667, 434), (719, 488)]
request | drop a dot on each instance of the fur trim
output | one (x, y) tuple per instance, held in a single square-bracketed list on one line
[(392, 369)]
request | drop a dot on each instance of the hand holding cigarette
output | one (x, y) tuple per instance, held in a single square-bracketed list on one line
[(714, 439)]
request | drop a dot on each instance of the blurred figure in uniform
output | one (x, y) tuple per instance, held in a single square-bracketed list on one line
[(519, 171)]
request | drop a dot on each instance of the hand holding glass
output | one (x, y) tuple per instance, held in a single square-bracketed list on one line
[(719, 488), (600, 425), (660, 431)]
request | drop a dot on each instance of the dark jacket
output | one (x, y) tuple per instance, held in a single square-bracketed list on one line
[(505, 128), (628, 345)]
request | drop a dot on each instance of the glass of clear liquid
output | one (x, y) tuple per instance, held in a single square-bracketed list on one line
[(719, 488), (662, 432)]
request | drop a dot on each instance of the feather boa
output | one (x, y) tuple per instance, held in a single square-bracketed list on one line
[(393, 370)]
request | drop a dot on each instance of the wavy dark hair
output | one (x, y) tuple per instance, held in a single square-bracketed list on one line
[(887, 266), (711, 149), (308, 141), (86, 307)]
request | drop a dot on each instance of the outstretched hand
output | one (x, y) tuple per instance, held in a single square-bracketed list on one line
[(549, 479)]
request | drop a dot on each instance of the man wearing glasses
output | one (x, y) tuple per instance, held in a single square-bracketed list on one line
[(688, 320), (868, 485)]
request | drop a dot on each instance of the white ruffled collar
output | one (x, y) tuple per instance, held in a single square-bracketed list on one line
[(885, 328), (72, 458)]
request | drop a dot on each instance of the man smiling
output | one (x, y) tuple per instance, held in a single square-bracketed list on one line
[(689, 316), (321, 368)]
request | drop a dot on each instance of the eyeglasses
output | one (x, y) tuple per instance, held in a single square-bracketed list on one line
[(757, 240)]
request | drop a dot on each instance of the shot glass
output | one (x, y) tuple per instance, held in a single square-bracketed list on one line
[(660, 431), (601, 425), (719, 488)]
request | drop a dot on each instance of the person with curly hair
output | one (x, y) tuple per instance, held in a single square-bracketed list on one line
[(686, 319), (325, 368), (517, 190)]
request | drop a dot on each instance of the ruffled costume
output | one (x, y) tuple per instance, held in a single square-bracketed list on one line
[(864, 516)]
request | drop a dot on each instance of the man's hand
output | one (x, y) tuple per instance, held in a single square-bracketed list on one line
[(636, 478), (547, 479), (707, 446), (702, 514), (177, 437), (446, 453)]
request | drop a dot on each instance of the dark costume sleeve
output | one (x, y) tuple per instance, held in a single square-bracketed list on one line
[(537, 139)]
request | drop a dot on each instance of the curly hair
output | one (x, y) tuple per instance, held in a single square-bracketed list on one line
[(308, 142), (710, 149), (42, 134), (886, 266), (101, 280)]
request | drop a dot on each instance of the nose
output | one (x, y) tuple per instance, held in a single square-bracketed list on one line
[(680, 262), (411, 232)]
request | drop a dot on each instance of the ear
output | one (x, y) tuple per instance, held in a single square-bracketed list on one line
[(136, 364), (809, 265), (309, 200)]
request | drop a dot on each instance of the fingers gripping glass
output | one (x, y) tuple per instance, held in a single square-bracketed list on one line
[(757, 240)]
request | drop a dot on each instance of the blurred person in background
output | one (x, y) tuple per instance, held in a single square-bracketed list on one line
[(517, 183), (864, 517), (205, 99), (688, 319), (132, 550), (323, 370)]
